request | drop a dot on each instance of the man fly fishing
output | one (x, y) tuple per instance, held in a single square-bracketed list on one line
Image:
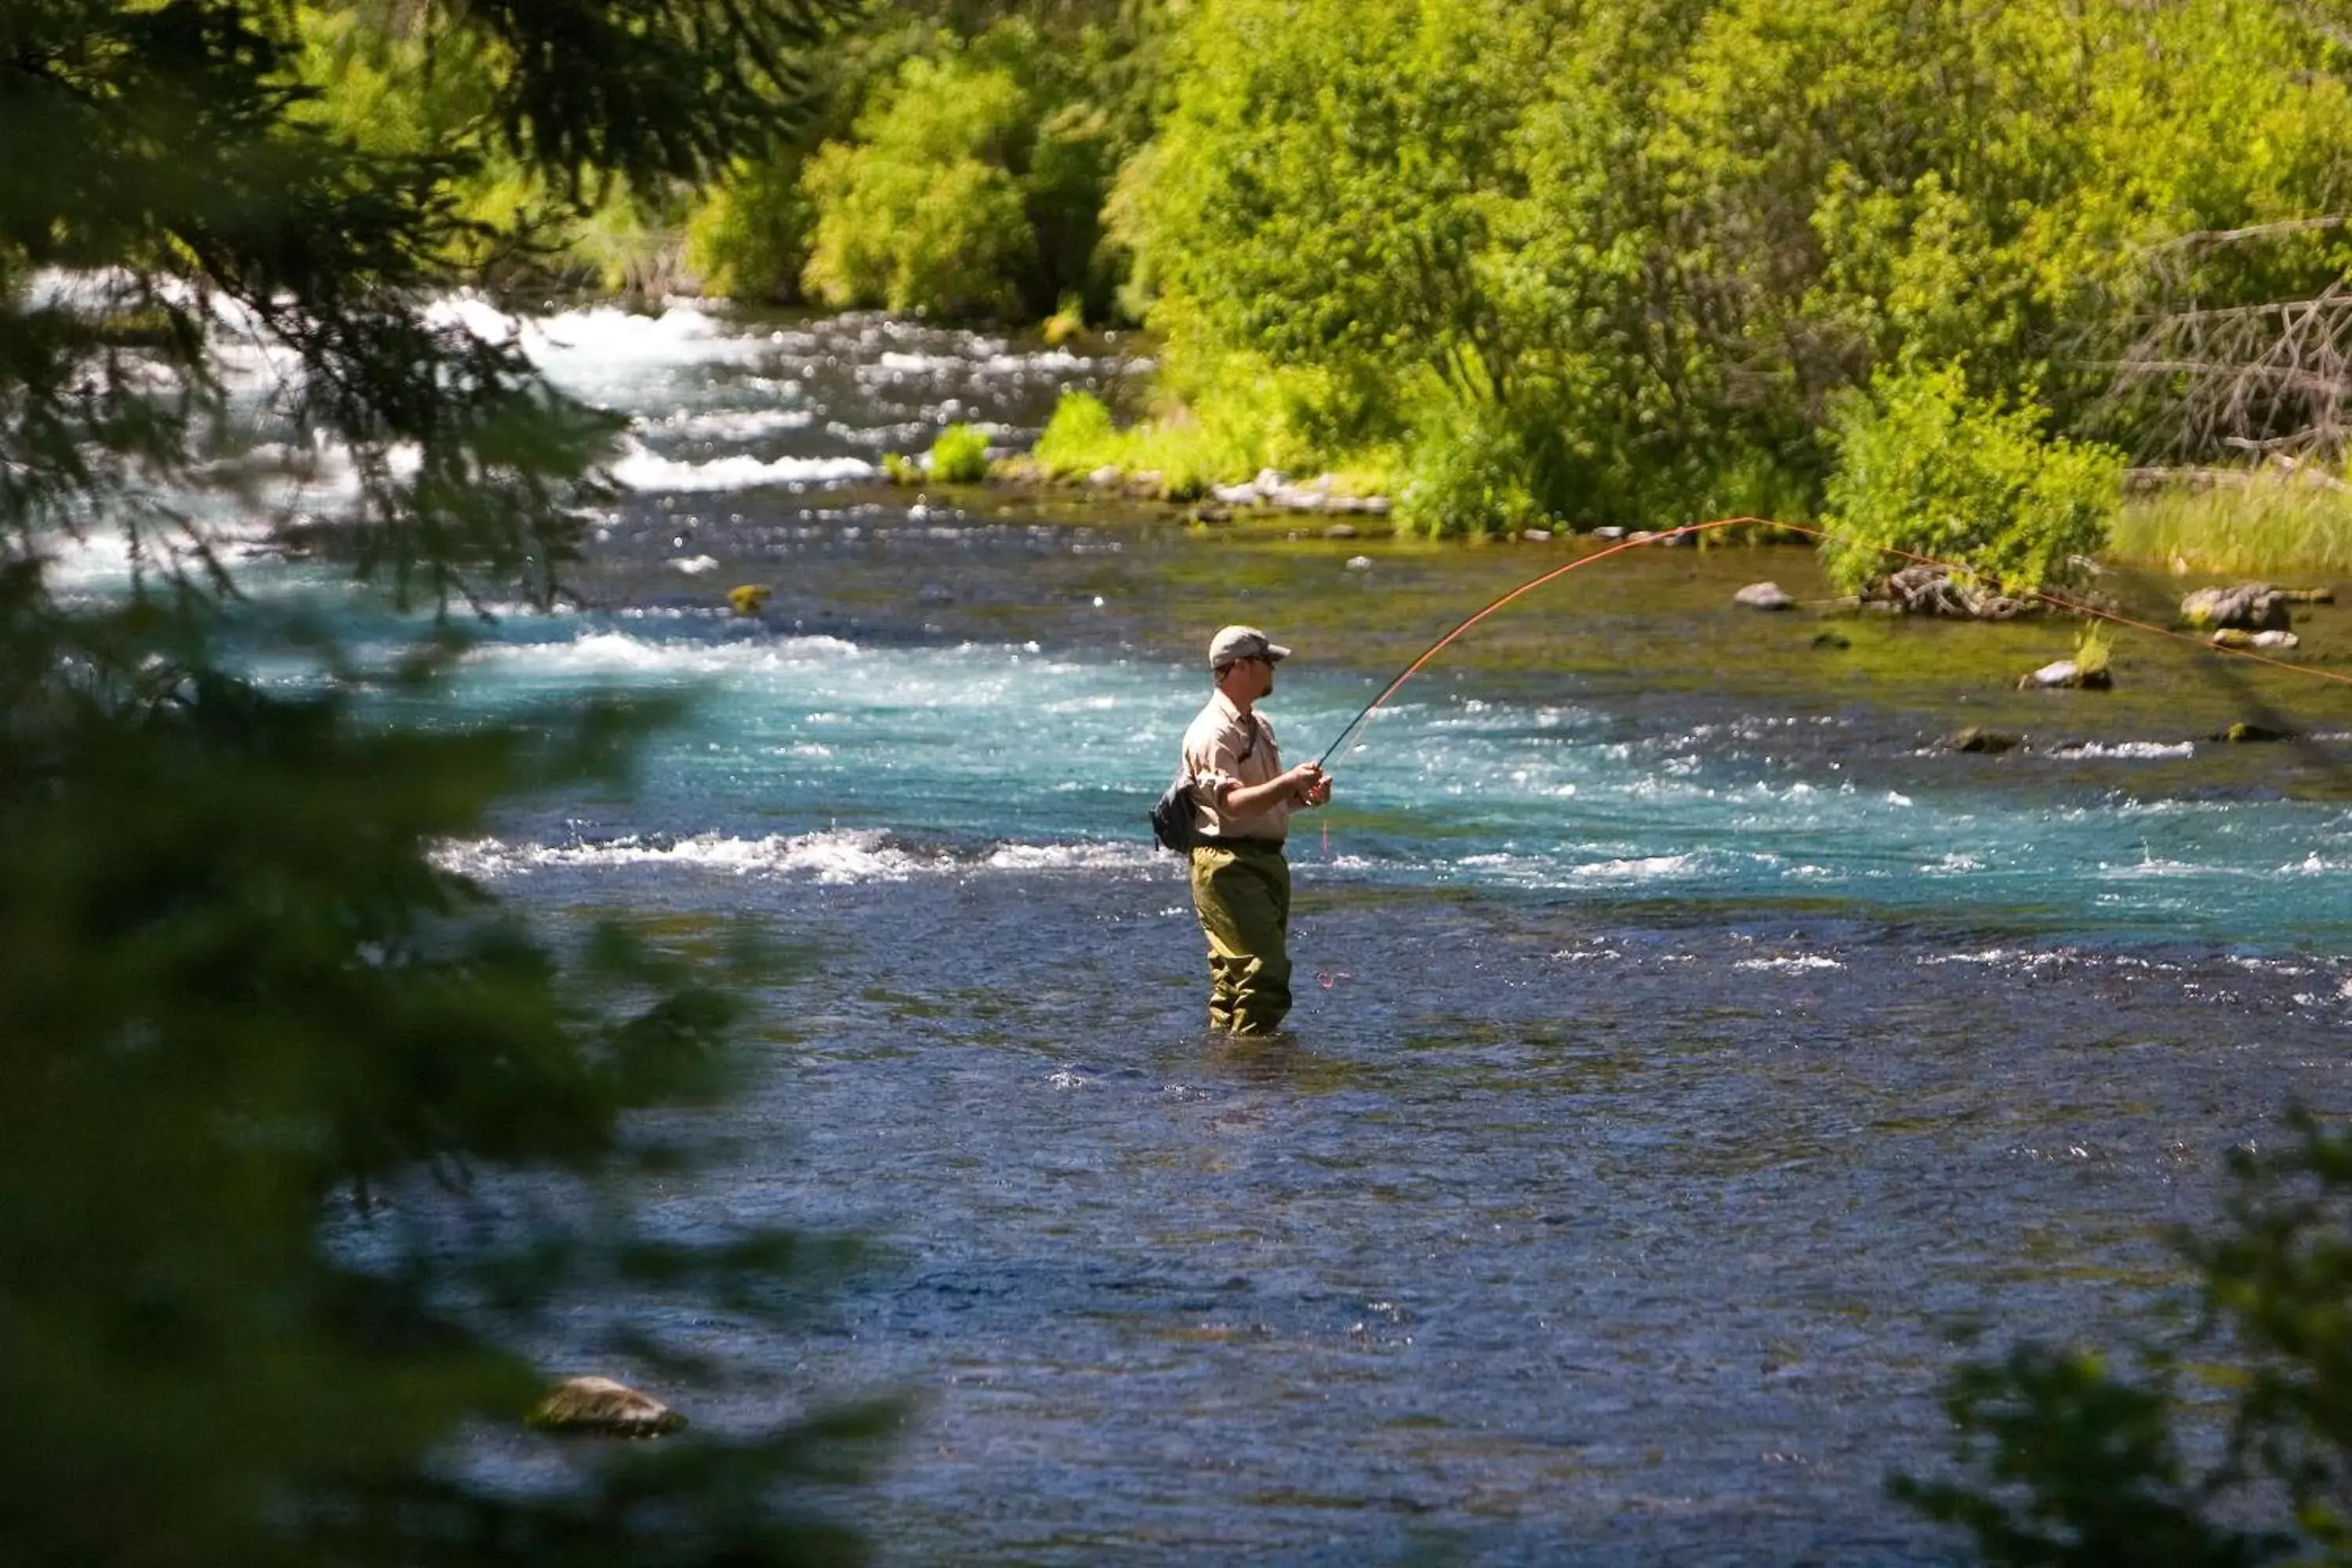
[(1242, 797)]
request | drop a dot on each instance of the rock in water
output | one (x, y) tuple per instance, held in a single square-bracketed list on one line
[(2067, 673), (749, 599), (2250, 606), (1762, 597), (599, 1405), (1974, 739)]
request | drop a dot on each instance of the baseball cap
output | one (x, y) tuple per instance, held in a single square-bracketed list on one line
[(1237, 643)]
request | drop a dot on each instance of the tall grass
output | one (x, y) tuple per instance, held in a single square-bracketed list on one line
[(1215, 424), (2255, 523)]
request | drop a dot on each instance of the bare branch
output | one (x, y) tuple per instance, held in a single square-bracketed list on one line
[(2211, 236)]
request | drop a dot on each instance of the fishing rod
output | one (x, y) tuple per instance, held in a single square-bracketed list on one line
[(1692, 530)]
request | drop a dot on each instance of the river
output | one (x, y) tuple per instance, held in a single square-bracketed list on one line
[(1689, 1042)]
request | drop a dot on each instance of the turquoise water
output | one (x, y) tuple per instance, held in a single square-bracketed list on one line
[(1684, 1047)]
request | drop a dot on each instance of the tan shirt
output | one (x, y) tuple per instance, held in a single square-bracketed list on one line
[(1220, 751)]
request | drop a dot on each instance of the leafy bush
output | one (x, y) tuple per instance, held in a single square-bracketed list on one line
[(2227, 1443), (749, 238), (1078, 438), (1922, 466), (923, 212), (1470, 476), (960, 457)]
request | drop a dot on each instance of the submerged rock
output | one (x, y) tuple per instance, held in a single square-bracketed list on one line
[(2243, 734), (1974, 739), (1763, 596), (2249, 606), (600, 1405), (749, 598)]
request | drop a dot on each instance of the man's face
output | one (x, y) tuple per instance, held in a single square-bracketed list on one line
[(1248, 679)]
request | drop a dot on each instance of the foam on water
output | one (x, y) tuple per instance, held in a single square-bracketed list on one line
[(1042, 752), (641, 469), (833, 857)]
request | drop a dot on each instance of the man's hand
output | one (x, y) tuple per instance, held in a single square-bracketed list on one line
[(1313, 785)]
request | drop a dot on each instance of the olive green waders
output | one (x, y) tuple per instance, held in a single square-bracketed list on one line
[(1242, 892)]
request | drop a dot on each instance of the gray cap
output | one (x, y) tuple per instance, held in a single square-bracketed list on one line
[(1237, 643)]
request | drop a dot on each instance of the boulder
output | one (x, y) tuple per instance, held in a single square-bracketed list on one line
[(749, 599), (1106, 478), (1763, 596), (2232, 636), (1340, 531), (2066, 673), (2243, 734), (2249, 606), (600, 1405), (1974, 739)]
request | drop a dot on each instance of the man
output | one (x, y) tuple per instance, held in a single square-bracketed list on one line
[(1243, 797)]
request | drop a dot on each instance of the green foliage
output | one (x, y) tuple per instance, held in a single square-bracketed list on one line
[(1078, 438), (2093, 650), (2065, 1460), (241, 1004), (1238, 425), (923, 212), (2243, 525), (1469, 476), (960, 457), (748, 236), (1068, 320), (1924, 467), (1657, 240), (974, 179)]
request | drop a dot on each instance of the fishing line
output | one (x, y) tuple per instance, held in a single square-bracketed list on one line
[(2056, 601)]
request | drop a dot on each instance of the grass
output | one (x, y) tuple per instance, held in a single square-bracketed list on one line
[(2258, 524), (1192, 447), (960, 457)]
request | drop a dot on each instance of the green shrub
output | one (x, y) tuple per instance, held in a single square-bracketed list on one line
[(2225, 1443), (1079, 439), (923, 213), (750, 237), (960, 457), (1471, 475), (1922, 466)]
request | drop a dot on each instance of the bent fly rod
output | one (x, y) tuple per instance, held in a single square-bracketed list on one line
[(2056, 601)]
